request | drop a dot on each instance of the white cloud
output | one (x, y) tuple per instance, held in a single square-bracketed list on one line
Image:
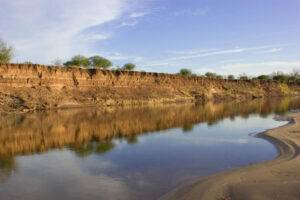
[(133, 19), (138, 14), (42, 30), (94, 36), (191, 52), (128, 23), (273, 50), (119, 56), (178, 57), (205, 53), (254, 68), (192, 12)]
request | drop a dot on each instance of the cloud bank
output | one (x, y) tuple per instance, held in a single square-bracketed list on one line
[(42, 30)]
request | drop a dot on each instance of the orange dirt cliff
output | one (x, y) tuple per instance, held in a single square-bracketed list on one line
[(31, 87)]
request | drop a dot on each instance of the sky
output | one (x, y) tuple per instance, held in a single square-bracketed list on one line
[(222, 36)]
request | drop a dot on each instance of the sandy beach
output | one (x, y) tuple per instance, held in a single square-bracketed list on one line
[(271, 180)]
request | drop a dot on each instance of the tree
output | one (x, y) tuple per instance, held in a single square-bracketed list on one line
[(100, 62), (6, 52), (185, 72), (263, 77), (230, 77), (210, 75), (129, 66), (281, 78), (78, 60)]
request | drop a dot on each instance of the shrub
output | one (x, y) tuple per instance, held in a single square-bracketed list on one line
[(185, 72), (281, 78), (78, 60), (99, 62), (263, 77), (6, 52), (211, 75), (129, 67), (230, 77)]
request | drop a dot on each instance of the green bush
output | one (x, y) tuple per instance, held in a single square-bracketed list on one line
[(281, 78), (211, 75), (263, 77), (100, 62), (129, 67), (185, 72), (6, 52), (78, 60)]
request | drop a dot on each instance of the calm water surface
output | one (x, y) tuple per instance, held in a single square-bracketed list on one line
[(138, 153)]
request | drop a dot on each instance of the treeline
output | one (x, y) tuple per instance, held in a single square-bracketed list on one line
[(95, 62), (293, 77), (99, 62)]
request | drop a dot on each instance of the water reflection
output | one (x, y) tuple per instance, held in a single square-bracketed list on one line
[(39, 132), (124, 148)]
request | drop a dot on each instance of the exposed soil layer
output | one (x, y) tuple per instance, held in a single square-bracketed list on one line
[(37, 87)]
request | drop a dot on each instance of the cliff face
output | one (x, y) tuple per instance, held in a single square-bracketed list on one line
[(29, 87)]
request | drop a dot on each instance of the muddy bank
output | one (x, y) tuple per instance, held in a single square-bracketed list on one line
[(276, 179), (36, 87)]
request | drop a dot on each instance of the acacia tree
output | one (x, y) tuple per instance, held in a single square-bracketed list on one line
[(6, 52), (100, 62), (129, 66), (211, 75), (263, 77), (185, 72), (78, 60)]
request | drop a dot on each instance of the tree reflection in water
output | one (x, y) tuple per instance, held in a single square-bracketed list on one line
[(91, 131)]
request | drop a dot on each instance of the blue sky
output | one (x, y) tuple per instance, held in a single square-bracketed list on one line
[(223, 36)]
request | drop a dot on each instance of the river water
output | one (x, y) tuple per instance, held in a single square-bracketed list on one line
[(132, 153)]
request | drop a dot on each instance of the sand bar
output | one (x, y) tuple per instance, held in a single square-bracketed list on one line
[(271, 180)]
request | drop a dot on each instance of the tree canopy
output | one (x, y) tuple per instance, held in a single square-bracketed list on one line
[(78, 60), (100, 62), (91, 62), (129, 66), (263, 77), (185, 72), (6, 52), (211, 75)]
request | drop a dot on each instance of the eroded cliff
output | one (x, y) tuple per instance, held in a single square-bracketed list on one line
[(30, 87)]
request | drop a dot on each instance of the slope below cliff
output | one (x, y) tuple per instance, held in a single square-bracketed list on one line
[(32, 87)]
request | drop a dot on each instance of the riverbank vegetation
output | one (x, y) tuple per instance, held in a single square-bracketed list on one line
[(293, 77), (99, 62)]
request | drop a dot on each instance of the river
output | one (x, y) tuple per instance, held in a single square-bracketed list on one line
[(130, 153)]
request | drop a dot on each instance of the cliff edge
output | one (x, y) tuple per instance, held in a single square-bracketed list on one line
[(32, 87)]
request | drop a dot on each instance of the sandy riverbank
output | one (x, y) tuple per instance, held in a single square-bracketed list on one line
[(275, 179)]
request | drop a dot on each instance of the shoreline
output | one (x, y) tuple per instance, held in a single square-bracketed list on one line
[(39, 87), (274, 179)]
